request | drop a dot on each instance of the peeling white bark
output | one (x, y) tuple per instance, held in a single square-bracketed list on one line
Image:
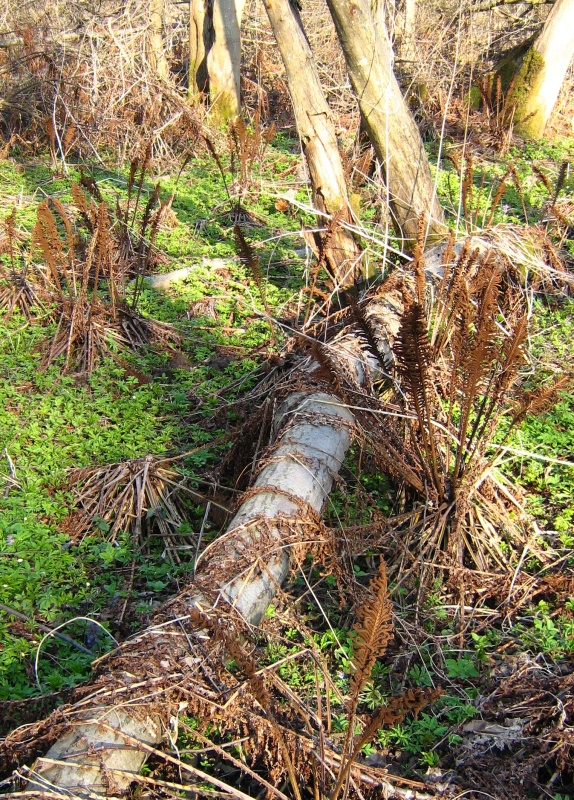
[(304, 464)]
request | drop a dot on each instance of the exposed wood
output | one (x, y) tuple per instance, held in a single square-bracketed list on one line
[(387, 119), (317, 132)]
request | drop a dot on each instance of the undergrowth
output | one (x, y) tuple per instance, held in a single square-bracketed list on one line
[(176, 406)]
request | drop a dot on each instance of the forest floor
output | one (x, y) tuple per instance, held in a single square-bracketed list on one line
[(149, 401)]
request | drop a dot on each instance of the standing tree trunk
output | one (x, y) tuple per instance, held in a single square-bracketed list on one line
[(224, 60), (215, 55), (317, 132), (157, 57), (200, 42), (387, 119), (406, 50), (542, 71)]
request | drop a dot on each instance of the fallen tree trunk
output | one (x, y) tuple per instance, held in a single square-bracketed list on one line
[(106, 736), (138, 688), (241, 570)]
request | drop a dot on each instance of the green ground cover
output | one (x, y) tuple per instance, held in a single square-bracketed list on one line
[(152, 401)]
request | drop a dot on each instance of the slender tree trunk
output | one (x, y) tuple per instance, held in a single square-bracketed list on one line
[(317, 132), (158, 60), (215, 55), (200, 42), (387, 119), (542, 71), (224, 60), (407, 37)]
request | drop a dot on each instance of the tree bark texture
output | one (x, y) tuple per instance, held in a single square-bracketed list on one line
[(387, 120), (215, 55), (317, 132), (542, 71), (407, 32), (158, 60), (200, 42), (224, 60)]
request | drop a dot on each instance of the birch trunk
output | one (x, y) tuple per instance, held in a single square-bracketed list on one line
[(314, 434), (387, 120), (542, 72), (317, 132), (157, 57)]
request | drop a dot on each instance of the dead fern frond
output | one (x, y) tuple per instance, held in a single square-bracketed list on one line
[(563, 171), (250, 259), (248, 144), (396, 709), (88, 182), (467, 185), (17, 292), (143, 496), (412, 350), (374, 631), (540, 400), (543, 177), (499, 194)]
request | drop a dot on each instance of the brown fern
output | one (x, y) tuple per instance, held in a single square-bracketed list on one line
[(250, 259), (562, 172), (374, 632), (540, 400), (498, 196), (413, 354), (398, 706), (467, 185), (230, 633)]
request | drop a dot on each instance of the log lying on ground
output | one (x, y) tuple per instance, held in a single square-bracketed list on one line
[(166, 279), (242, 569)]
